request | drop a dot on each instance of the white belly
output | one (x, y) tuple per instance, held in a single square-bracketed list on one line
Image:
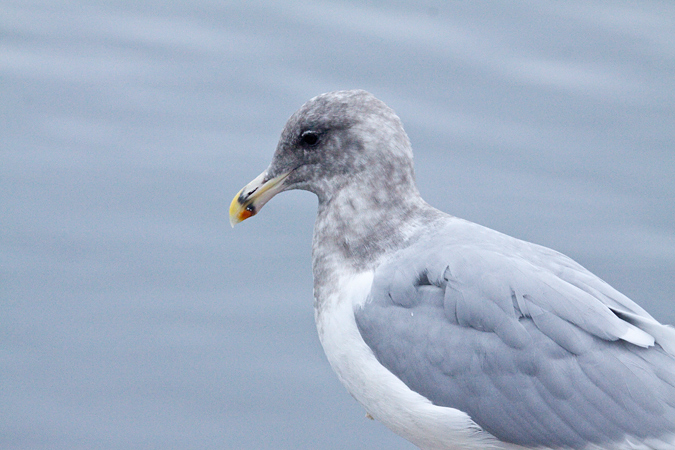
[(380, 392)]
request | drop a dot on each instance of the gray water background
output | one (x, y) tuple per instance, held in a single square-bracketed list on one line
[(133, 317)]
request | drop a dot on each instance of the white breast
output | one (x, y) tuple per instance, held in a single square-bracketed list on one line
[(381, 393)]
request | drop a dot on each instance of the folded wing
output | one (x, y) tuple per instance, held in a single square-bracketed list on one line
[(536, 349)]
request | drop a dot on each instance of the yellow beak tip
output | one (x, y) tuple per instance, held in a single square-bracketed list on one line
[(259, 192), (236, 210)]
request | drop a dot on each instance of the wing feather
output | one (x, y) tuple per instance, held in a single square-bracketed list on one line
[(533, 347)]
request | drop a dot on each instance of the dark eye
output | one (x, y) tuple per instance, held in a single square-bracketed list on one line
[(309, 138)]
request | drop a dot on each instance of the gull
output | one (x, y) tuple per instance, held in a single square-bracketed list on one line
[(453, 335)]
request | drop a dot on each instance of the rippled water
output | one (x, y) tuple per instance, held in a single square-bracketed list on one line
[(132, 316)]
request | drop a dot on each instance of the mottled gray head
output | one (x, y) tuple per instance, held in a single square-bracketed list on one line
[(335, 140)]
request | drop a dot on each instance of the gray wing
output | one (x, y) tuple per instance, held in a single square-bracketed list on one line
[(533, 347)]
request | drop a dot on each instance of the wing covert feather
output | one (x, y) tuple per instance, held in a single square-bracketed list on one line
[(532, 357)]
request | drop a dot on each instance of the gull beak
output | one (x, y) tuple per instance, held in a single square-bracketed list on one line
[(254, 195)]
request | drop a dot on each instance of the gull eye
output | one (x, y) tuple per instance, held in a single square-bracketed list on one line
[(309, 138)]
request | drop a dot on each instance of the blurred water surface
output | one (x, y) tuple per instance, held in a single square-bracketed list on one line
[(132, 317)]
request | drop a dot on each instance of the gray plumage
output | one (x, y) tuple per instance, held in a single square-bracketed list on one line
[(527, 345), (521, 338)]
